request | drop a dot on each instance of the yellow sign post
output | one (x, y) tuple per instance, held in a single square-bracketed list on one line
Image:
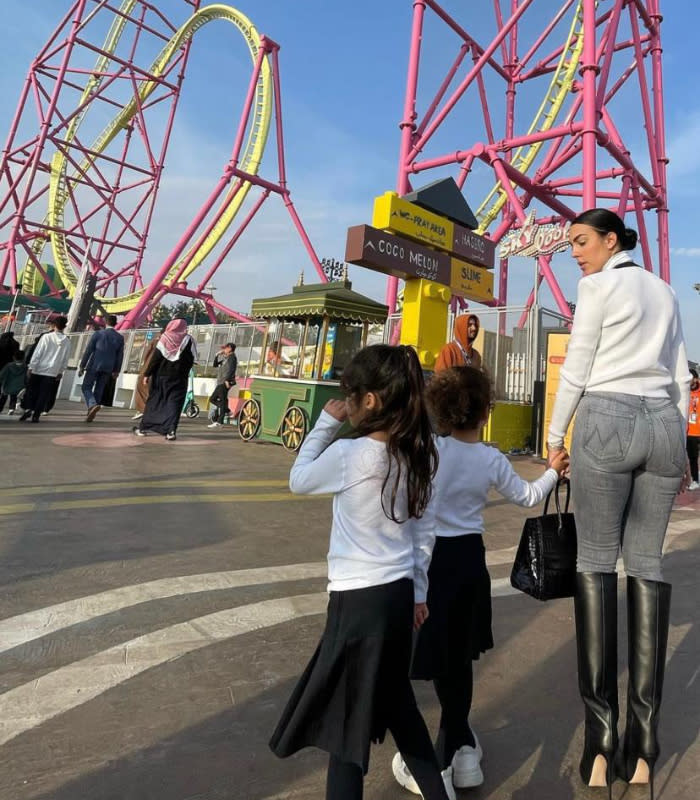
[(435, 256), (557, 345)]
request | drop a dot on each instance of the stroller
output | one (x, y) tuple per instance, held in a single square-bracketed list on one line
[(190, 408)]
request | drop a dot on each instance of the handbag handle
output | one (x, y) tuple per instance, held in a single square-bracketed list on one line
[(557, 502)]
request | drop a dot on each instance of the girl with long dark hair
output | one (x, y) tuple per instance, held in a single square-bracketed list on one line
[(626, 377), (356, 685)]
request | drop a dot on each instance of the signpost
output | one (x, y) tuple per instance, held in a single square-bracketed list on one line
[(395, 214), (403, 258), (436, 257)]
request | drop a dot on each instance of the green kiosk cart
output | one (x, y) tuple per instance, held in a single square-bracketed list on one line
[(308, 338)]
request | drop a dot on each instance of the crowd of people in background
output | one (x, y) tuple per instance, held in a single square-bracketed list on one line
[(30, 379)]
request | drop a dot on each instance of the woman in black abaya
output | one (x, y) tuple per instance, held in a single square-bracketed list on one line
[(167, 375)]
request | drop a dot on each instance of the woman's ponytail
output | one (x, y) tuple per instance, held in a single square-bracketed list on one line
[(629, 239)]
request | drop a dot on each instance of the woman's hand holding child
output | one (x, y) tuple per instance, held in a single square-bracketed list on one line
[(559, 461)]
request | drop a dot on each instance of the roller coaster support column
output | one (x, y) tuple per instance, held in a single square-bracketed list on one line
[(517, 207), (408, 126), (660, 140), (10, 258), (134, 316), (589, 69)]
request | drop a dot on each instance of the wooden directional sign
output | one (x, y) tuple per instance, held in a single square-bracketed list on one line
[(394, 255), (395, 214)]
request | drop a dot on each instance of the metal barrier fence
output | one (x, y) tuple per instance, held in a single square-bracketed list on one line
[(512, 342)]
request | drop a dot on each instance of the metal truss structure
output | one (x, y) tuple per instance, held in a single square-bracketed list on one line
[(597, 67), (82, 166)]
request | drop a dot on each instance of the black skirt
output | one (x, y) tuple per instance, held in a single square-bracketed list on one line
[(341, 701), (458, 628)]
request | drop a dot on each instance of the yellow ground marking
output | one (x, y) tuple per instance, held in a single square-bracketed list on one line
[(156, 499), (74, 488)]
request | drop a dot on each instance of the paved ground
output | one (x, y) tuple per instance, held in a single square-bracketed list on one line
[(158, 600)]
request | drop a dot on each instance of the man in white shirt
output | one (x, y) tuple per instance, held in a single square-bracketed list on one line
[(49, 360)]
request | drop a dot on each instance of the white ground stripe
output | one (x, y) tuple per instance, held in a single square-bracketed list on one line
[(23, 628), (32, 704), (15, 631)]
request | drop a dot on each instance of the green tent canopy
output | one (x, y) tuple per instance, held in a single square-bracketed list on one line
[(56, 304), (334, 299)]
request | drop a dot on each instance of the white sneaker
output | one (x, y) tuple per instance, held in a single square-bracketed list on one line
[(214, 425), (10, 412), (404, 778), (466, 766), (693, 485), (138, 415)]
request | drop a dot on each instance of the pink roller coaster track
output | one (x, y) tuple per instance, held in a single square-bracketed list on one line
[(110, 192), (584, 161)]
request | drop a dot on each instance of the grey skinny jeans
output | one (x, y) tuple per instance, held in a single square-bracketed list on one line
[(627, 462)]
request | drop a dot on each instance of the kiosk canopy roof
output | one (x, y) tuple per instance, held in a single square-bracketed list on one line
[(334, 299)]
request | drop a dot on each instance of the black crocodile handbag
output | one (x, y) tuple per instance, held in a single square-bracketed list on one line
[(545, 563)]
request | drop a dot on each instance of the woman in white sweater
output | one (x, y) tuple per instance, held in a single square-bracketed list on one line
[(626, 377)]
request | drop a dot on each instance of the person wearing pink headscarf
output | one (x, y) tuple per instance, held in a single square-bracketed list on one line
[(166, 375)]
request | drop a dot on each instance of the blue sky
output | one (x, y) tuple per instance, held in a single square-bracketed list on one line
[(343, 76)]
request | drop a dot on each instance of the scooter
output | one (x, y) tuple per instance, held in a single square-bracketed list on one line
[(190, 409)]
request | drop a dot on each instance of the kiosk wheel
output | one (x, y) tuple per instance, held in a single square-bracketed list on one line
[(294, 428), (249, 420)]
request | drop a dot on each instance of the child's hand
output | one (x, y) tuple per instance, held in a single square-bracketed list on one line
[(559, 460), (420, 614), (337, 409)]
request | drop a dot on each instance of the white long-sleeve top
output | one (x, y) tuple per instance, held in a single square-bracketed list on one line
[(366, 547), (466, 473), (50, 356), (626, 338)]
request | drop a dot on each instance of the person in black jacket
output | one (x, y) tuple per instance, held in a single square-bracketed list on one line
[(9, 346), (226, 363), (167, 375)]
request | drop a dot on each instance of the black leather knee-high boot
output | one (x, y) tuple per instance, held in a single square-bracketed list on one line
[(648, 609), (595, 605)]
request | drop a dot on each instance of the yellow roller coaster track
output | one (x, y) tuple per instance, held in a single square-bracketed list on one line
[(249, 162), (559, 88)]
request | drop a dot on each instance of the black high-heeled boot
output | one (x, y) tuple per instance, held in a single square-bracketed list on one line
[(595, 605), (648, 610)]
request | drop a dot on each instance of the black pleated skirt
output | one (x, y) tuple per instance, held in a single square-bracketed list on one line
[(342, 701), (458, 628)]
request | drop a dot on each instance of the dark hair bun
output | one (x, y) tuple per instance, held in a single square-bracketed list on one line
[(629, 240)]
